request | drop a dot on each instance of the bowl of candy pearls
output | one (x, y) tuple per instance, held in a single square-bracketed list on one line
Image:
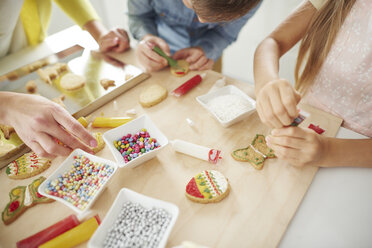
[(135, 142), (135, 220), (228, 104), (79, 180)]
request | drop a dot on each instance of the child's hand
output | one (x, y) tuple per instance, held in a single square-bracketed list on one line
[(298, 146), (147, 57), (116, 40), (277, 103), (196, 57)]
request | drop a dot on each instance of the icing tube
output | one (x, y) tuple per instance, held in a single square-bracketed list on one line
[(188, 85), (110, 121), (300, 118), (197, 151), (49, 233), (74, 236)]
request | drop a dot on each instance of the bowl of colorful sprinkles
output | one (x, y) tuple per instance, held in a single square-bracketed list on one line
[(79, 180), (135, 220), (135, 142), (228, 104)]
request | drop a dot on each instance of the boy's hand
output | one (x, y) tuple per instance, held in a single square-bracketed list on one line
[(116, 40), (149, 59), (277, 103), (196, 57), (46, 122), (298, 146)]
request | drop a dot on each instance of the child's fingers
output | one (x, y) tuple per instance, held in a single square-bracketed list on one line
[(292, 142), (149, 53), (199, 63), (285, 153), (270, 117), (36, 147), (163, 45), (194, 56), (279, 109), (181, 54), (107, 43), (208, 65), (51, 147), (290, 99), (149, 64), (289, 131)]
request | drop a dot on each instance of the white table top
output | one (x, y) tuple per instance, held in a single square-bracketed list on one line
[(337, 209)]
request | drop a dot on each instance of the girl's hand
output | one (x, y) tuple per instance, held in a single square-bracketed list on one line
[(38, 122), (298, 146), (196, 57), (149, 59), (116, 40), (277, 103)]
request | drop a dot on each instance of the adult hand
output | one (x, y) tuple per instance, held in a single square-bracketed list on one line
[(38, 122), (149, 59), (196, 57), (116, 40), (277, 103), (298, 146)]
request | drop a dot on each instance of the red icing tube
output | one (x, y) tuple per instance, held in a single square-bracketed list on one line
[(49, 232), (188, 85), (317, 129)]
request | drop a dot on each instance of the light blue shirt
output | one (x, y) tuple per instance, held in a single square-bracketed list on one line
[(179, 26)]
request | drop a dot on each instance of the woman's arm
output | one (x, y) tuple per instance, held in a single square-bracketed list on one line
[(276, 98)]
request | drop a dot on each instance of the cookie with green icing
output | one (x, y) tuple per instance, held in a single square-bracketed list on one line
[(208, 186), (255, 153)]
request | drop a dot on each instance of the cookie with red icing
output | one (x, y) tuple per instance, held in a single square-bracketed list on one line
[(208, 186), (28, 165), (22, 198)]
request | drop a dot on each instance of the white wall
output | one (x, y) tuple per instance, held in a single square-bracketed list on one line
[(237, 58)]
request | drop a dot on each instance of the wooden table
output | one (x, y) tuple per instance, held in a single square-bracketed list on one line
[(255, 214)]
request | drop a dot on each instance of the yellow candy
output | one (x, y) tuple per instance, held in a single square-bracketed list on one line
[(83, 121), (110, 122)]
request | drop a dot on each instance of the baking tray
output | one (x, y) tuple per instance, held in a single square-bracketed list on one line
[(80, 102)]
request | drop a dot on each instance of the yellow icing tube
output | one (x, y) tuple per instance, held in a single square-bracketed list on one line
[(74, 236), (83, 121), (110, 121)]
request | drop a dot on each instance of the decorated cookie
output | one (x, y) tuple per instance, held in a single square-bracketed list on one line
[(255, 153), (209, 186), (21, 198), (107, 83), (181, 70), (153, 95), (31, 87), (100, 142), (60, 67), (28, 165), (71, 81)]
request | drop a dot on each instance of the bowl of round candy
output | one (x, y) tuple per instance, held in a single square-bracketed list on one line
[(79, 180), (135, 220), (135, 142)]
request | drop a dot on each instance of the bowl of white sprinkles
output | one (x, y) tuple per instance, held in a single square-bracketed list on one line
[(228, 104), (135, 220)]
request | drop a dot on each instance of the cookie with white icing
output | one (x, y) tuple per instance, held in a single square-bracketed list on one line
[(255, 153), (28, 165), (208, 186)]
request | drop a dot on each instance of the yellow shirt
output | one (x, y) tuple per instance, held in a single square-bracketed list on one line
[(35, 16)]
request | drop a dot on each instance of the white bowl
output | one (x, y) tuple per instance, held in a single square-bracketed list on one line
[(126, 195), (227, 90), (65, 167), (133, 127)]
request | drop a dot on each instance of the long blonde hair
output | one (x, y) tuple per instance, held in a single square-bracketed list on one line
[(318, 40)]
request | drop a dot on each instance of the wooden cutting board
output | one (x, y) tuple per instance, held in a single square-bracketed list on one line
[(255, 214)]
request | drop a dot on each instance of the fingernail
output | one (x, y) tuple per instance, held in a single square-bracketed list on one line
[(93, 143), (116, 40)]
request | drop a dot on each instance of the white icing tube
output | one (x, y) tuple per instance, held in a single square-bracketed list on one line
[(197, 151)]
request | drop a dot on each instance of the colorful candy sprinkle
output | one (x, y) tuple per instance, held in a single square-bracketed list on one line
[(81, 183), (132, 146)]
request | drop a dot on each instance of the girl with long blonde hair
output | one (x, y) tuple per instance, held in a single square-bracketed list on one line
[(333, 73)]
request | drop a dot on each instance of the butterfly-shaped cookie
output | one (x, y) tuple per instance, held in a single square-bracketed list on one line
[(255, 153), (22, 198)]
